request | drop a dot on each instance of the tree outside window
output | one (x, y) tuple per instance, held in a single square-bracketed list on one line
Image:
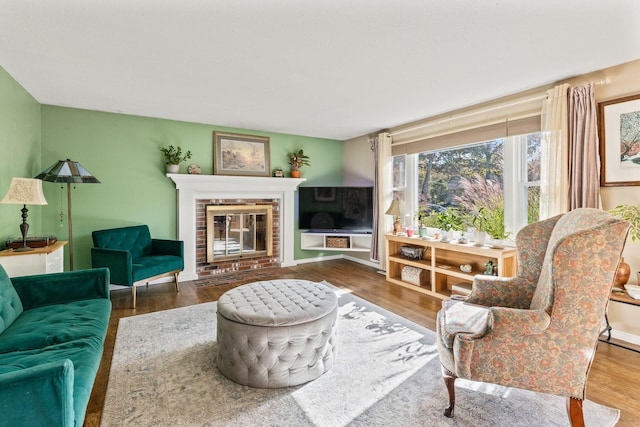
[(471, 177)]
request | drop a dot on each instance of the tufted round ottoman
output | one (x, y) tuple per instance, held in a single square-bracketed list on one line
[(276, 333)]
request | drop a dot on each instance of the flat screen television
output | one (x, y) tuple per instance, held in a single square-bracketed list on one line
[(335, 209)]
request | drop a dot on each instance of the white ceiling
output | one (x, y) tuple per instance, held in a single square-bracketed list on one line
[(326, 68)]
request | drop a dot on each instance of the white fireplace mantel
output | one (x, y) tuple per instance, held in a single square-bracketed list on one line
[(193, 187)]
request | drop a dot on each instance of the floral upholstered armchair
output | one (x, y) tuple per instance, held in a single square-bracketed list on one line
[(539, 330)]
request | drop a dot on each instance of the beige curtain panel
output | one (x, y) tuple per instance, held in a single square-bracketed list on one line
[(584, 158)]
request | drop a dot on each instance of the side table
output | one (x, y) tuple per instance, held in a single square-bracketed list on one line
[(622, 297), (47, 259)]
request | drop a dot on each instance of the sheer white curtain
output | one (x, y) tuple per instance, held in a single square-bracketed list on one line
[(554, 168), (383, 197)]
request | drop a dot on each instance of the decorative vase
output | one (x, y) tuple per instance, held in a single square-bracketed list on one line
[(479, 237), (447, 236), (622, 274), (295, 173), (497, 243), (173, 168)]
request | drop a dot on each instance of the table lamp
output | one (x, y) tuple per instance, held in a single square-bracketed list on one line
[(396, 209), (70, 172), (24, 191)]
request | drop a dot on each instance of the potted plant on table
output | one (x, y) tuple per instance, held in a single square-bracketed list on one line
[(422, 215), (449, 220), (494, 226), (296, 160), (478, 222), (173, 156)]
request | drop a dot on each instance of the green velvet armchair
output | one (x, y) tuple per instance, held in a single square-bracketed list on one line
[(537, 331), (134, 258)]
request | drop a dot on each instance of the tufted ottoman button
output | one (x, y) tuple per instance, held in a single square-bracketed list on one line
[(276, 333)]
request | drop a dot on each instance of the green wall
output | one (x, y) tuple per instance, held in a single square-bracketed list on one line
[(123, 152), (20, 146)]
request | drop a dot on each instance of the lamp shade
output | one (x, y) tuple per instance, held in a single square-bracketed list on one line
[(67, 171), (395, 209), (25, 191)]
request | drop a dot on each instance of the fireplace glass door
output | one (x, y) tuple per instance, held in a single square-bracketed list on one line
[(237, 233)]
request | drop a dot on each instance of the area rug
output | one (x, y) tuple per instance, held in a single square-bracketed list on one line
[(386, 373)]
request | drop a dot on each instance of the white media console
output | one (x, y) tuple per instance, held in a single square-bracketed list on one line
[(335, 241)]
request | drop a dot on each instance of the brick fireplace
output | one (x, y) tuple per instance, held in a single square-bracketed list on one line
[(236, 236), (196, 192)]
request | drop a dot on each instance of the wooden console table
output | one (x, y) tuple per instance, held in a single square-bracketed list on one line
[(47, 259), (439, 264)]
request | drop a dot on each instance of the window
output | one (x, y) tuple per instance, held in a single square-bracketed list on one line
[(501, 175)]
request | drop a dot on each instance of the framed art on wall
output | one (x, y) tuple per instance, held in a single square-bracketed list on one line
[(619, 127), (236, 154)]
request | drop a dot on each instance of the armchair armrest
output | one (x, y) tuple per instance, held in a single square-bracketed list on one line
[(59, 288), (509, 321), (493, 291), (167, 247), (119, 262), (38, 396)]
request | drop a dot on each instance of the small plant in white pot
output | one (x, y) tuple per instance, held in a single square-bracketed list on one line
[(478, 221), (449, 221), (494, 226), (173, 156)]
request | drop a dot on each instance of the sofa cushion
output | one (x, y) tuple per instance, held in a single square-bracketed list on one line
[(55, 324), (84, 353), (153, 265), (10, 304)]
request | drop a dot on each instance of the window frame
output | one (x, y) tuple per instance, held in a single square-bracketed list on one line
[(515, 182)]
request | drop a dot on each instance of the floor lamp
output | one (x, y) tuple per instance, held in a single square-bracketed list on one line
[(72, 173)]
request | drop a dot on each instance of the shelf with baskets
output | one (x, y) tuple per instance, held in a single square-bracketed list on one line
[(335, 241), (434, 268)]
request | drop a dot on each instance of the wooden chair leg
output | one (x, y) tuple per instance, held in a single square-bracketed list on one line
[(176, 276), (133, 295), (574, 410), (449, 380)]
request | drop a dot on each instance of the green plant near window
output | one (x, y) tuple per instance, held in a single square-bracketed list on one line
[(479, 220), (494, 223), (174, 156), (421, 216), (632, 214), (450, 220)]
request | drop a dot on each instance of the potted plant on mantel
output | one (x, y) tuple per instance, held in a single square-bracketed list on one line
[(296, 160), (173, 157), (632, 214)]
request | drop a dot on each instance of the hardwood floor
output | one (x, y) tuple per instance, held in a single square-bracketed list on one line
[(614, 379)]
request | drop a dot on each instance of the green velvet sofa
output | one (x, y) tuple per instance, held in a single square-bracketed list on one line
[(52, 332), (134, 258)]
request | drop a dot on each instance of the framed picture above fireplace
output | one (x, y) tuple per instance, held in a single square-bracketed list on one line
[(235, 154)]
